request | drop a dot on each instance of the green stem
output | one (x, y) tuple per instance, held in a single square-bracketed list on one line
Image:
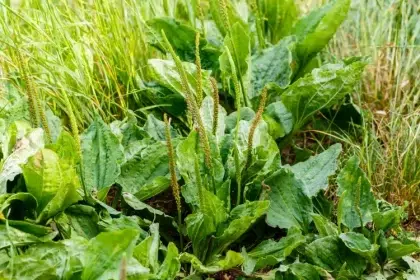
[(174, 180), (238, 175), (258, 23), (224, 14)]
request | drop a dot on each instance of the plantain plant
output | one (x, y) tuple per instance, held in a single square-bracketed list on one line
[(206, 194)]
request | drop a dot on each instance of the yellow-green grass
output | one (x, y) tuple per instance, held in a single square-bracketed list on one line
[(388, 32), (93, 51)]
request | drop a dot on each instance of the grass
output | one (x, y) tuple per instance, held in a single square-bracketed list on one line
[(390, 95), (93, 55), (94, 52)]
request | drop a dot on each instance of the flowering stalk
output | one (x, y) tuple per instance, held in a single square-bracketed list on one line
[(223, 9), (215, 104), (174, 180), (44, 121), (198, 69), (191, 102), (36, 108), (258, 24), (236, 85), (75, 132), (200, 15), (29, 92), (254, 125)]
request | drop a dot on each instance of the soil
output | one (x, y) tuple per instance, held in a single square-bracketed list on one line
[(164, 202), (227, 275)]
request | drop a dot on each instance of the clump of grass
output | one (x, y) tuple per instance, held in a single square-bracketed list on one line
[(390, 96), (96, 52)]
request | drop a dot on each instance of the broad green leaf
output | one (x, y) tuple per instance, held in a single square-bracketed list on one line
[(321, 89), (315, 171), (24, 149), (105, 252), (274, 66), (359, 244), (324, 226), (14, 104), (28, 201), (109, 209), (57, 260), (141, 251), (397, 249), (383, 247), (64, 197), (213, 207), (232, 14), (12, 133), (279, 119), (133, 270), (331, 254), (188, 151), (132, 137), (263, 160), (302, 271), (147, 212), (147, 173), (66, 149), (280, 16), (166, 74), (156, 128), (246, 114), (101, 155), (356, 203), (266, 161), (31, 228), (147, 251), (182, 39), (170, 100), (10, 236), (207, 114), (45, 175), (62, 222), (270, 252), (238, 44), (193, 277), (52, 182), (289, 206), (316, 29), (323, 205), (263, 147), (123, 222), (137, 205), (54, 124), (28, 268), (212, 212), (231, 260), (83, 220), (171, 265), (375, 276), (414, 267), (127, 130), (242, 217), (199, 227), (387, 219)]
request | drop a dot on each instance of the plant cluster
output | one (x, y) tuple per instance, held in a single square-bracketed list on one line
[(87, 205)]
